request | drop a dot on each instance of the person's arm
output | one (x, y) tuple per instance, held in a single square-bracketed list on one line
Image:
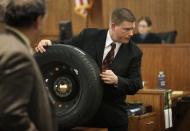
[(129, 84), (74, 41), (133, 82), (16, 85)]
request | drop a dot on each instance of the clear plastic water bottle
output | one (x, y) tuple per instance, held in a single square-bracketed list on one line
[(161, 80)]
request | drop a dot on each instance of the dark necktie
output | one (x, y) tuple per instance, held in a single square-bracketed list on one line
[(109, 58)]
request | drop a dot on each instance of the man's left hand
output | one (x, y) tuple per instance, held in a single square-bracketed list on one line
[(109, 77)]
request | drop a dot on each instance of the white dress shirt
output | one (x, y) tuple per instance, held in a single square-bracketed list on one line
[(107, 47)]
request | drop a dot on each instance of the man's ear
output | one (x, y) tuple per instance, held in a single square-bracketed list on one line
[(112, 26), (39, 23)]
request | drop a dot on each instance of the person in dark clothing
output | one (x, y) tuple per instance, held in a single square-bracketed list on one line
[(120, 62), (144, 35)]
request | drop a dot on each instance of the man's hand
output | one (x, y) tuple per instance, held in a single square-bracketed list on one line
[(42, 44), (109, 77)]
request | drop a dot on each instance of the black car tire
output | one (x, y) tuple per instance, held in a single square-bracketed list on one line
[(73, 82)]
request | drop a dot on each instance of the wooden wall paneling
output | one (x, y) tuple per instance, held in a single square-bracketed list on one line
[(107, 8), (78, 22), (177, 67), (95, 19), (57, 10), (182, 16), (151, 64), (172, 59)]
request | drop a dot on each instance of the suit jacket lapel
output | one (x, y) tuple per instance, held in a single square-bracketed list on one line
[(100, 45)]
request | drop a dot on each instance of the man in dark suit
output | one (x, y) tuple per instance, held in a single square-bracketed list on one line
[(120, 62), (24, 103)]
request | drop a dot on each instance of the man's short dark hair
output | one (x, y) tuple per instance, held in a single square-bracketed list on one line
[(3, 4), (146, 19), (23, 13), (120, 15)]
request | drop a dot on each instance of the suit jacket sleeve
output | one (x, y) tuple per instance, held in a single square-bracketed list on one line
[(15, 92), (133, 82)]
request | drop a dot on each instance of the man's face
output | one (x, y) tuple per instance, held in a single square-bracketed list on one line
[(123, 32)]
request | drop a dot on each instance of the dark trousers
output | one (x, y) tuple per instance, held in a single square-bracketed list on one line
[(112, 117), (119, 128)]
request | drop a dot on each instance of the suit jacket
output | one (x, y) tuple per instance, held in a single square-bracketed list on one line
[(24, 104), (150, 38), (126, 66), (2, 26)]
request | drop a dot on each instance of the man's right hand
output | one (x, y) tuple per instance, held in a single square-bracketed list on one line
[(41, 46)]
